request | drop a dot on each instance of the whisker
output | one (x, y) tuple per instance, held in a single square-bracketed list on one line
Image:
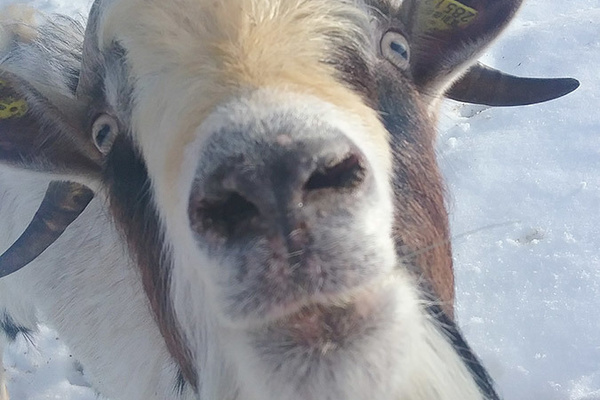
[(459, 236)]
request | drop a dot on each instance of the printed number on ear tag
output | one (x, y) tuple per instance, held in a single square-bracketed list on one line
[(443, 15)]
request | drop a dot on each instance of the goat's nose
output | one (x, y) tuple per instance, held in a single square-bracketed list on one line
[(271, 187)]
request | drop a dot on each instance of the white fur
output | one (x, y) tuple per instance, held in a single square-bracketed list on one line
[(85, 287)]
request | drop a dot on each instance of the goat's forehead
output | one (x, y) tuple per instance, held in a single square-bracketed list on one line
[(234, 40), (231, 16), (212, 48)]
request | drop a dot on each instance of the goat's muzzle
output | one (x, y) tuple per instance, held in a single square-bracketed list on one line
[(277, 194), (284, 211)]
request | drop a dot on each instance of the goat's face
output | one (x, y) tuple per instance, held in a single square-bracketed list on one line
[(271, 175), (271, 164), (270, 172)]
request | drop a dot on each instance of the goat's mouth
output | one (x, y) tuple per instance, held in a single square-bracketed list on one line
[(330, 323)]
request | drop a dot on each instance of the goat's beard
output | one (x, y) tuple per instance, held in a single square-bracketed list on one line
[(353, 350)]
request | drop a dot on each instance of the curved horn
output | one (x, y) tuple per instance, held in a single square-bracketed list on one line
[(62, 204), (484, 85)]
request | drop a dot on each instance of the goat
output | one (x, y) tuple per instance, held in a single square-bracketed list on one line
[(239, 199)]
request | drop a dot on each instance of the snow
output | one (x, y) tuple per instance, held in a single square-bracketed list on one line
[(525, 182), (528, 290)]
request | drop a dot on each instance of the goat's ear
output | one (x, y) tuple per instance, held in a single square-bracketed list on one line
[(44, 130), (446, 36)]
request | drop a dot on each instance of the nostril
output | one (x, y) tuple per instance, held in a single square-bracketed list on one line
[(345, 174), (223, 217)]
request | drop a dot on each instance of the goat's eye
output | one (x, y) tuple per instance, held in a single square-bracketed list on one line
[(395, 49), (104, 132)]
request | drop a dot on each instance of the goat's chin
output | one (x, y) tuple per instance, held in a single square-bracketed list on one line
[(356, 349), (329, 323)]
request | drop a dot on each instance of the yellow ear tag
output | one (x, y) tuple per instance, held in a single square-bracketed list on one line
[(11, 107), (443, 15)]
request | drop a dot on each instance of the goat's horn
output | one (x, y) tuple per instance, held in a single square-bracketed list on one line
[(62, 204), (484, 85)]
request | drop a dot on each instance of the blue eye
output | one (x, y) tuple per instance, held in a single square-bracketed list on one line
[(394, 47)]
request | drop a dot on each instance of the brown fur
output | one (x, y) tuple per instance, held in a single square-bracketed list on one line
[(420, 227)]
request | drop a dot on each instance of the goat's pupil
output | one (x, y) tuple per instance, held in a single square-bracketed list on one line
[(400, 49), (102, 134)]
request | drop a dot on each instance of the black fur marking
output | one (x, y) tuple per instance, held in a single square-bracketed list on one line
[(131, 201), (454, 336), (12, 329), (355, 71), (180, 383)]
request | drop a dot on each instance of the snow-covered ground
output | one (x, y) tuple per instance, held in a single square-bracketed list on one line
[(527, 180), (529, 292)]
